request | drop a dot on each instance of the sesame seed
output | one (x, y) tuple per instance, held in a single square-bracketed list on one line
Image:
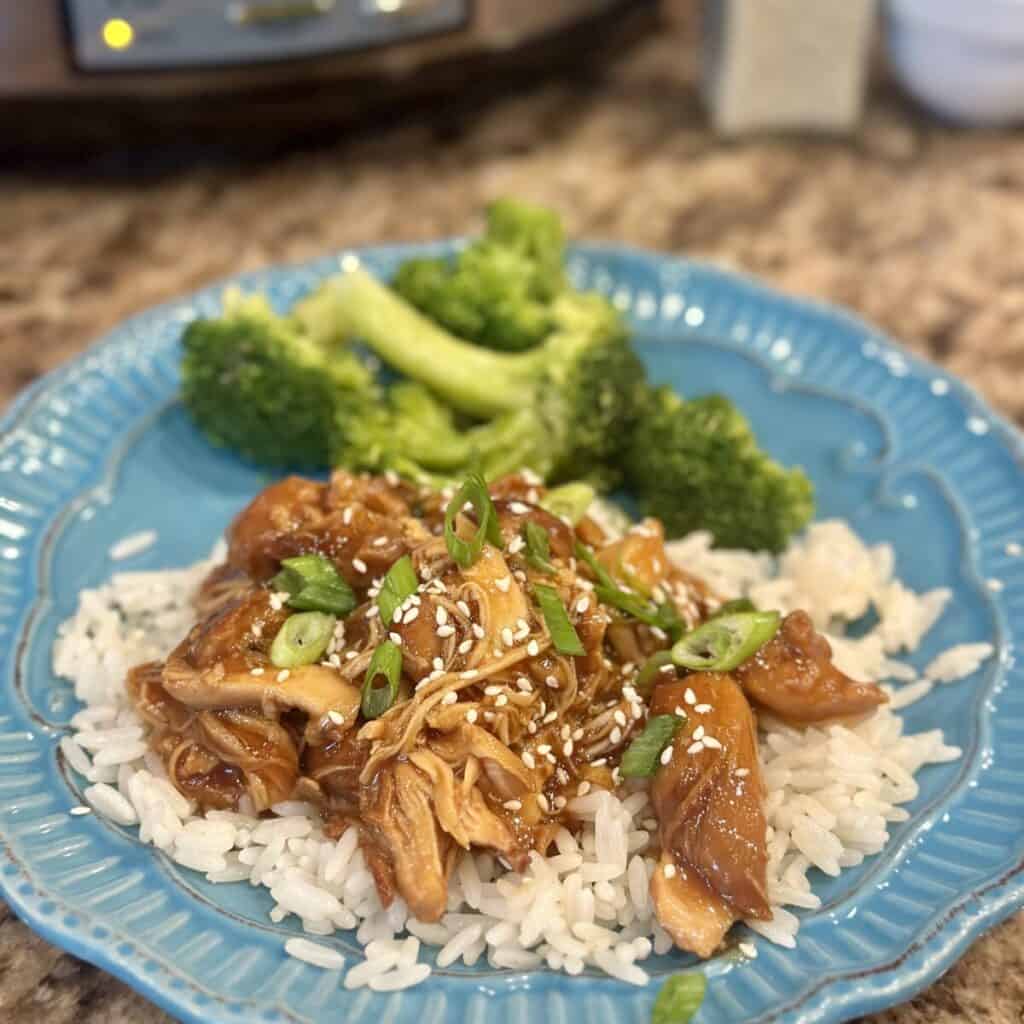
[(471, 715), (497, 651), (531, 728), (702, 709), (630, 693), (748, 949), (690, 697), (551, 681), (550, 717), (349, 655), (334, 661), (512, 805), (564, 732), (391, 477), (517, 508), (478, 631), (395, 638), (359, 565), (78, 811), (577, 734), (346, 516), (698, 733), (710, 741), (582, 605), (275, 602), (465, 647), (544, 748), (666, 754), (533, 648), (567, 748), (616, 735), (504, 584), (372, 612), (379, 542), (470, 673), (515, 545), (444, 631), (397, 617), (620, 717), (616, 776), (528, 760), (437, 663), (501, 700), (695, 748), (670, 870), (463, 607), (524, 684), (492, 691), (519, 575), (742, 773), (679, 712), (450, 697), (507, 638), (583, 788), (599, 763), (637, 710), (257, 629), (542, 803), (283, 675), (256, 672), (336, 717), (440, 616)]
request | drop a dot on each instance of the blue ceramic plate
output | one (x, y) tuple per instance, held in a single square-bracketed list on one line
[(101, 448)]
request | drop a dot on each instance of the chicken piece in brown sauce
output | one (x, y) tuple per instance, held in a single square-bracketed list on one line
[(793, 677), (708, 802)]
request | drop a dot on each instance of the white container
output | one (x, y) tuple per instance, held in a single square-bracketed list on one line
[(963, 59)]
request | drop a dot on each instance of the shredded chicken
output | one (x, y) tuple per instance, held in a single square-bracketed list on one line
[(493, 729)]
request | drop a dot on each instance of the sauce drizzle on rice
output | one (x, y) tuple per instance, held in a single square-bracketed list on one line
[(583, 851)]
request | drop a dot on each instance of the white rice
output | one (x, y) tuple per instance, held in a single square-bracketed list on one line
[(833, 790), (132, 545)]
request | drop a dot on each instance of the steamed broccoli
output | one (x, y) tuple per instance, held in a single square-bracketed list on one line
[(498, 291), (574, 398), (696, 466), (256, 384)]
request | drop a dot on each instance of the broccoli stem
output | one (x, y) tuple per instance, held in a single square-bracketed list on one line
[(471, 379)]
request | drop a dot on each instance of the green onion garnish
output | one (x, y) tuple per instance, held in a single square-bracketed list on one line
[(399, 584), (662, 616), (725, 642), (313, 584), (645, 678), (474, 490), (641, 757), (302, 639), (538, 547), (569, 502), (380, 687), (563, 636), (679, 999), (739, 604)]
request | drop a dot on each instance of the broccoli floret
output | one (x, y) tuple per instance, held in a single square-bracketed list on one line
[(696, 465), (573, 399), (256, 384), (497, 292)]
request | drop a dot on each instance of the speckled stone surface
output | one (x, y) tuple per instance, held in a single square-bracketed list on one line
[(916, 226)]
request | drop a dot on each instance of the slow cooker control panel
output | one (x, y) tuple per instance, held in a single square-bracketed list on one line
[(124, 35)]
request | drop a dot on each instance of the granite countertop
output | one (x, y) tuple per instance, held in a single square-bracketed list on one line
[(914, 225)]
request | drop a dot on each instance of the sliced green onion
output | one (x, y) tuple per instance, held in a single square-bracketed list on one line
[(662, 616), (302, 639), (740, 604), (399, 584), (474, 490), (724, 643), (380, 687), (324, 597), (641, 757), (563, 636), (644, 682), (313, 584), (538, 547), (569, 502), (679, 999)]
